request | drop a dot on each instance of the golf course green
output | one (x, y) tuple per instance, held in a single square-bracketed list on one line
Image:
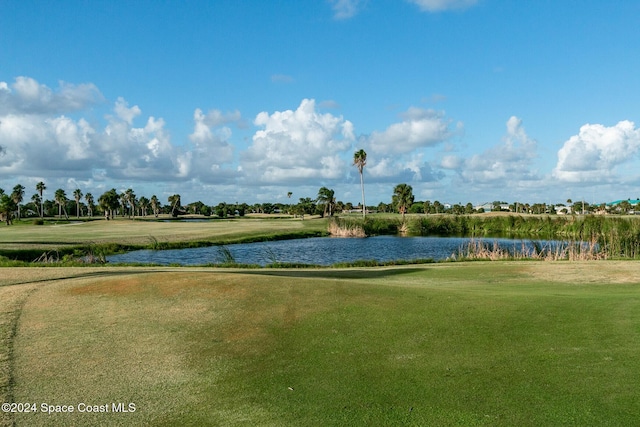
[(477, 343)]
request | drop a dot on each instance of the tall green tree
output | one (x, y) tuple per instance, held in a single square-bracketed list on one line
[(7, 207), (327, 200), (155, 205), (40, 187), (61, 199), (130, 198), (37, 202), (402, 198), (90, 203), (77, 195), (174, 201), (109, 201), (360, 160), (17, 195), (143, 203)]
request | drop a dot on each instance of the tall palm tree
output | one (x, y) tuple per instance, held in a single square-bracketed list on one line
[(326, 198), (155, 204), (143, 202), (360, 160), (175, 204), (7, 206), (90, 203), (40, 187), (109, 201), (36, 201), (17, 195), (130, 198), (77, 194), (61, 199), (403, 198)]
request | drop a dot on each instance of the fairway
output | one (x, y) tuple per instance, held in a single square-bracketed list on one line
[(522, 343), (146, 232)]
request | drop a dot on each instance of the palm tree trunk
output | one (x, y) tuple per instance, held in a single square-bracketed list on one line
[(364, 206)]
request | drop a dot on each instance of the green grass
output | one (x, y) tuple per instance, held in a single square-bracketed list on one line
[(519, 343), (27, 242)]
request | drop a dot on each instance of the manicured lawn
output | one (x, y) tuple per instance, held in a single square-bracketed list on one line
[(518, 343), (147, 232)]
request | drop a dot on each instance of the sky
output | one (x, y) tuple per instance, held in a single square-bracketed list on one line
[(248, 100)]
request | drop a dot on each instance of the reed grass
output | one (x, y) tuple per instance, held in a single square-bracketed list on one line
[(478, 249), (614, 237)]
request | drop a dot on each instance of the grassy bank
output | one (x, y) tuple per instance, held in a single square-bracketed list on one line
[(446, 344), (27, 242)]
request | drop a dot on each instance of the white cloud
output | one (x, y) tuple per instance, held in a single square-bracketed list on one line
[(442, 5), (27, 96), (419, 128), (596, 152), (125, 113), (509, 162), (297, 145), (211, 148), (410, 169), (345, 9)]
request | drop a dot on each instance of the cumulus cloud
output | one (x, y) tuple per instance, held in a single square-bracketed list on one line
[(345, 9), (297, 145), (507, 162), (442, 5), (27, 96), (594, 154), (411, 168), (419, 128), (42, 141), (125, 113), (211, 147)]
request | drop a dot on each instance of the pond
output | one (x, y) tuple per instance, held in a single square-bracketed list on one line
[(317, 251)]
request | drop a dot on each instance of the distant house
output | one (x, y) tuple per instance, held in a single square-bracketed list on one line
[(485, 206), (488, 207)]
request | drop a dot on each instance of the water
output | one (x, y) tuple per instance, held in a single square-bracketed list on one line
[(316, 251)]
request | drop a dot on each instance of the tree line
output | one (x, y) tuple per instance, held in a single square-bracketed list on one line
[(127, 204)]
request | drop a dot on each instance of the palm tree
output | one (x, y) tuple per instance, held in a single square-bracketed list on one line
[(155, 204), (109, 201), (122, 199), (403, 198), (326, 198), (89, 198), (143, 202), (360, 160), (130, 198), (7, 206), (17, 195), (36, 201), (175, 204), (77, 194), (40, 187), (61, 199)]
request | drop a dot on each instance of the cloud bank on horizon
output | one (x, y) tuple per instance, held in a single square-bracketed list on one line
[(79, 135), (293, 147)]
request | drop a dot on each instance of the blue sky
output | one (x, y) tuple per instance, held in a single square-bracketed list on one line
[(465, 100)]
